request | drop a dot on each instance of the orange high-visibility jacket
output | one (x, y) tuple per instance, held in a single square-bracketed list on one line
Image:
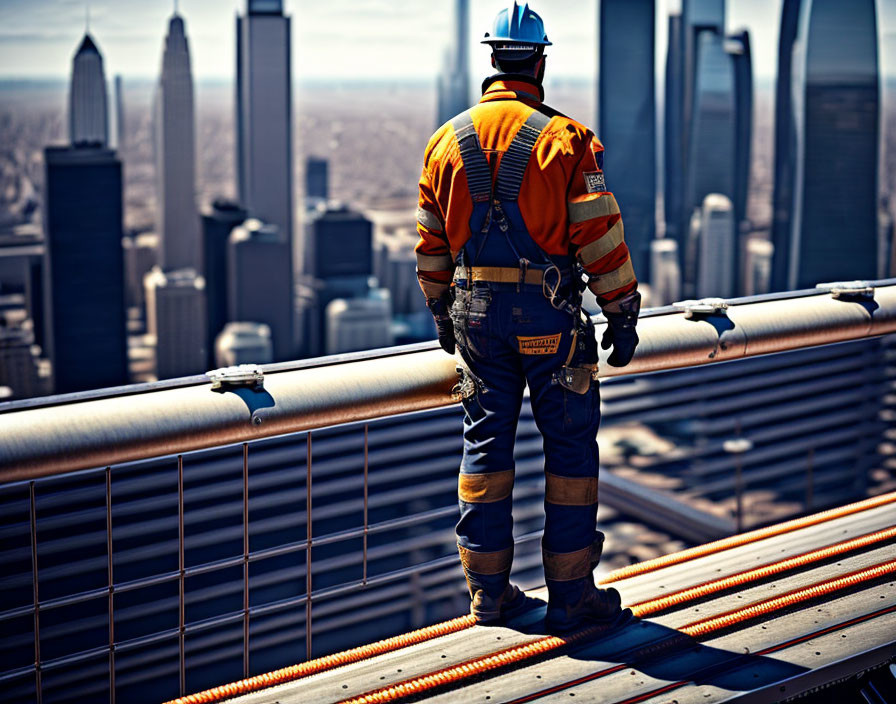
[(563, 197)]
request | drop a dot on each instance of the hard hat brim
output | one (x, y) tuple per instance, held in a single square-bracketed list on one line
[(514, 40)]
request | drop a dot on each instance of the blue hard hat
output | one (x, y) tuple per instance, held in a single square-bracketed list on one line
[(517, 26)]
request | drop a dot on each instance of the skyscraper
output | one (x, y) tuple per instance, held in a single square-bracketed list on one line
[(738, 48), (711, 158), (836, 110), (317, 180), (665, 273), (264, 115), (175, 317), (785, 146), (87, 105), (217, 224), (120, 133), (673, 113), (175, 147), (715, 266), (259, 283), (627, 117), (682, 68), (453, 93), (758, 267), (84, 275)]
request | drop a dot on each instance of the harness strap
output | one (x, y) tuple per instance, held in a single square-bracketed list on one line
[(516, 158), (479, 177)]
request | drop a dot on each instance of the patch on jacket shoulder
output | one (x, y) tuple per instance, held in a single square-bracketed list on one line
[(547, 344), (595, 182)]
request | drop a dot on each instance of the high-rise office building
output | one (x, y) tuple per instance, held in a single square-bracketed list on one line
[(19, 357), (785, 146), (453, 93), (243, 343), (317, 180), (218, 222), (84, 275), (338, 262), (120, 127), (264, 116), (711, 160), (175, 317), (758, 265), (359, 323), (87, 104), (836, 109), (715, 265), (175, 147), (141, 254), (338, 244), (665, 272), (738, 48), (627, 117), (673, 114), (260, 283)]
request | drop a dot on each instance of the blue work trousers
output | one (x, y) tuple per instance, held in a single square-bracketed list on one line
[(510, 336)]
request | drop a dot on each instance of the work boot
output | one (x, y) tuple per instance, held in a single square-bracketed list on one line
[(595, 607), (489, 610)]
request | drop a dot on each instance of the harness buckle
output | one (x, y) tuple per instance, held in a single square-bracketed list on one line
[(524, 269)]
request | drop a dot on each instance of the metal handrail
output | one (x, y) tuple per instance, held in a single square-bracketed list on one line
[(98, 432)]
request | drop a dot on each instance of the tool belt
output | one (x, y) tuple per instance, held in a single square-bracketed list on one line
[(500, 274)]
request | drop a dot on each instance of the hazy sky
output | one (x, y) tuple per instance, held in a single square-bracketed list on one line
[(340, 38)]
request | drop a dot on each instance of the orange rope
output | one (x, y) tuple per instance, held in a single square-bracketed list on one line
[(311, 667), (651, 606), (472, 667), (760, 608), (695, 629), (744, 538)]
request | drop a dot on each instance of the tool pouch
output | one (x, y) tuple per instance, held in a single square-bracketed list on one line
[(581, 364), (576, 379)]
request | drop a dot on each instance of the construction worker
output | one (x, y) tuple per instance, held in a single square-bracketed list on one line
[(514, 218)]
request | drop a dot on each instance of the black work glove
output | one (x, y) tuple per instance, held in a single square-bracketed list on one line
[(440, 309), (620, 332)]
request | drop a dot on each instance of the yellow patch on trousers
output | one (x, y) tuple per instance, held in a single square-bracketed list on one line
[(546, 344)]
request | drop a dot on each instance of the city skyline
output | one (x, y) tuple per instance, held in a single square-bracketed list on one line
[(366, 39)]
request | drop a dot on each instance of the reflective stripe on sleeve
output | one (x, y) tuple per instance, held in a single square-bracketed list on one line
[(603, 283), (594, 208), (429, 220), (593, 251), (434, 262), (486, 562), (484, 488), (570, 491), (433, 289)]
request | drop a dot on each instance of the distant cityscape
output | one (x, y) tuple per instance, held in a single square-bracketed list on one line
[(290, 233)]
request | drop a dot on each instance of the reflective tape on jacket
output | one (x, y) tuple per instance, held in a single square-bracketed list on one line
[(429, 220), (603, 283), (593, 251), (434, 262), (564, 566), (570, 491), (599, 207), (486, 487), (486, 562), (432, 289)]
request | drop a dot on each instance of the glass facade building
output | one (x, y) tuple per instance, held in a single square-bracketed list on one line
[(627, 117), (837, 115), (84, 272), (785, 146)]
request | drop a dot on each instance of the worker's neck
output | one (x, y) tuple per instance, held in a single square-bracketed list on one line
[(515, 78)]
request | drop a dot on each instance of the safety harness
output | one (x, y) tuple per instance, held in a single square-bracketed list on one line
[(495, 207)]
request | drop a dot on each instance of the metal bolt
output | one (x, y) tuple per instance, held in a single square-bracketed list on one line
[(257, 420)]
